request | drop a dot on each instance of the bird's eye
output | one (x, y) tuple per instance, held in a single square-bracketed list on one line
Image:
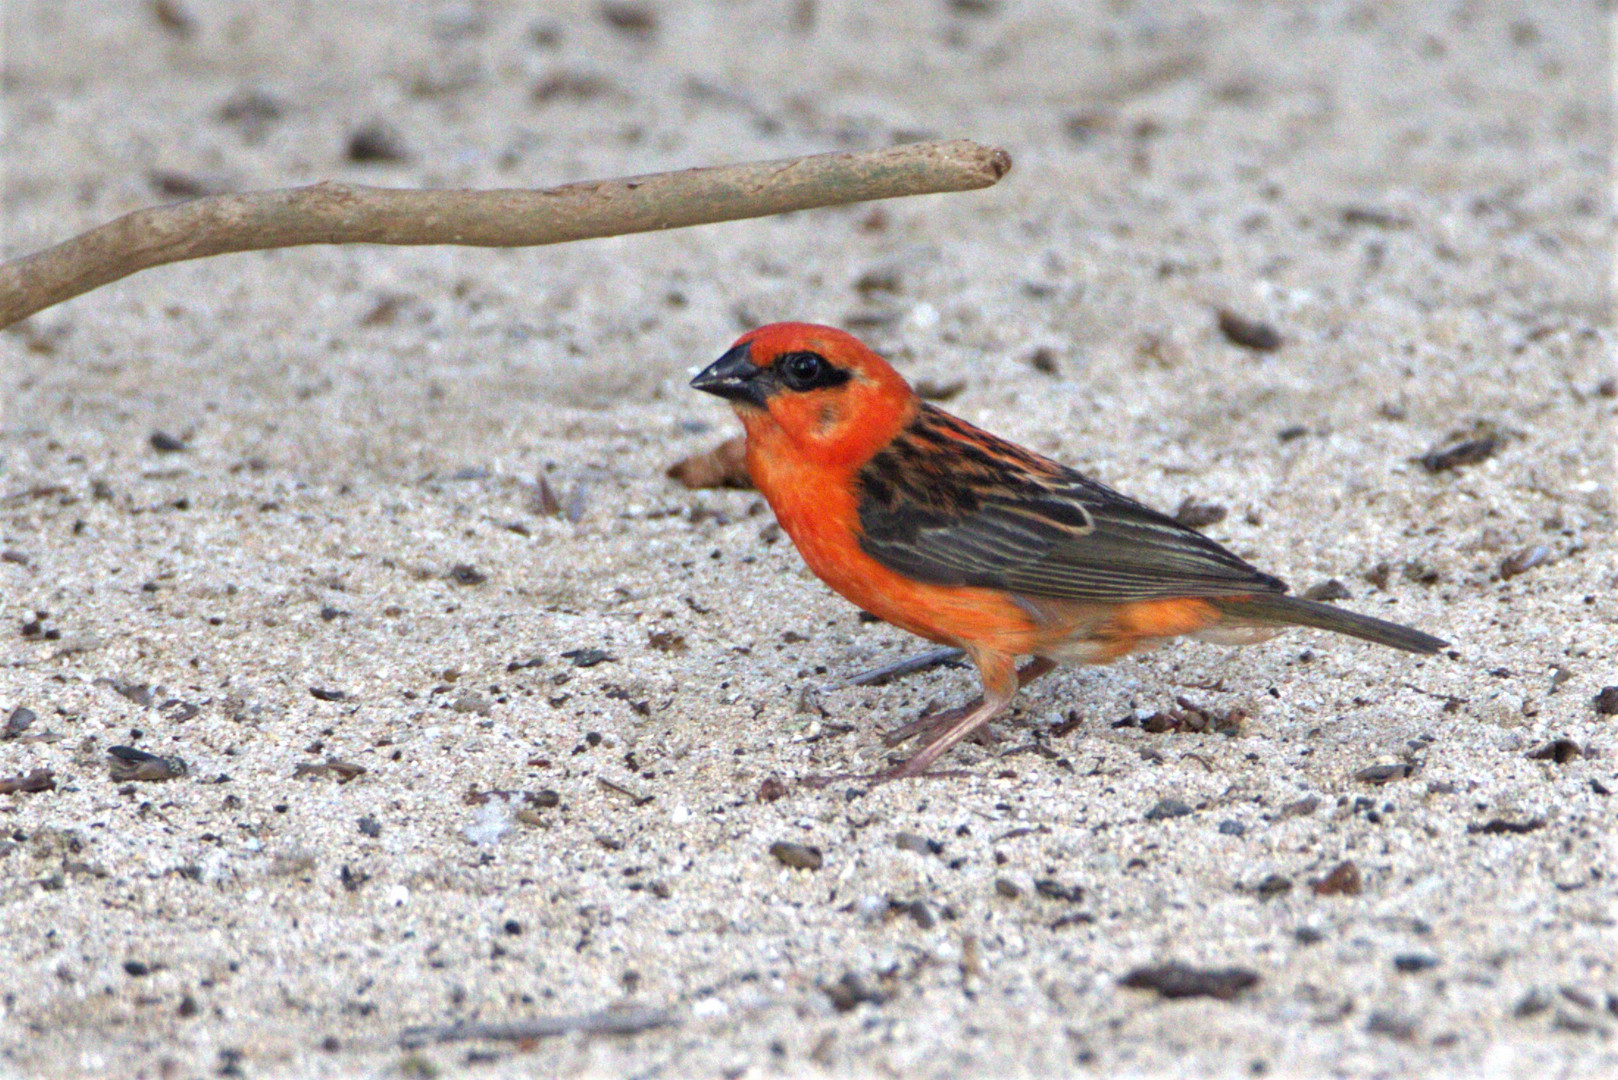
[(808, 371)]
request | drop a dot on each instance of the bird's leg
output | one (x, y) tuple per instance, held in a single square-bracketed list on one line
[(944, 720), (1001, 680)]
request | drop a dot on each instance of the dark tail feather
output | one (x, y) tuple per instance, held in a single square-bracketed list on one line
[(1274, 608)]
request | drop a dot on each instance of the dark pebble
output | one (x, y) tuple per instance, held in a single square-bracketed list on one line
[(467, 574), (588, 657), (1394, 1027), (188, 1006), (136, 968), (1532, 1003), (1308, 935), (1291, 433), (370, 826), (21, 718), (1560, 751), (320, 693), (546, 799), (771, 789), (1043, 360), (376, 143), (1379, 219), (1007, 888), (1330, 589), (1051, 889), (1164, 809), (1183, 981), (1273, 885), (1301, 808), (1606, 702), (851, 991), (164, 443), (1502, 827), (1344, 880), (1196, 515), (512, 927), (797, 856), (918, 910), (1411, 963), (1248, 333), (1469, 452), (631, 19), (1524, 560), (1232, 827)]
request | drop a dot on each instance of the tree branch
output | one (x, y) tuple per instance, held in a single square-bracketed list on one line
[(332, 213)]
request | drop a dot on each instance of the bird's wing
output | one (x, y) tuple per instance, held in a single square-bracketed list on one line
[(949, 504)]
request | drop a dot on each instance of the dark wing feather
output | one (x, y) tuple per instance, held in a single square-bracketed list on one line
[(949, 504)]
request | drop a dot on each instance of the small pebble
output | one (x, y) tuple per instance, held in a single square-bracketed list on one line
[(1394, 1027), (21, 718), (1411, 963), (1467, 452), (1606, 702), (1248, 333), (797, 856), (1007, 888), (1520, 562), (1330, 589), (1273, 885), (376, 143), (164, 443), (1052, 889), (1197, 515), (1183, 981), (1344, 880), (851, 991), (1164, 809), (1232, 827)]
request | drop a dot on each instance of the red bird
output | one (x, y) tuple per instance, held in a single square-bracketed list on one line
[(963, 538)]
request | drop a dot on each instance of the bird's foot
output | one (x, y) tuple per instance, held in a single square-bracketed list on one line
[(938, 723)]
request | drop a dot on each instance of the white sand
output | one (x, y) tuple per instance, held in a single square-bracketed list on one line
[(339, 466)]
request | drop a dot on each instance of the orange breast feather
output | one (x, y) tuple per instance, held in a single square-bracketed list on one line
[(818, 506)]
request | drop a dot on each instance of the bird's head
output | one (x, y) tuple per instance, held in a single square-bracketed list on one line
[(820, 387)]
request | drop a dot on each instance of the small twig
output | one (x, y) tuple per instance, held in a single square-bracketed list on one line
[(879, 675), (605, 1022), (332, 213)]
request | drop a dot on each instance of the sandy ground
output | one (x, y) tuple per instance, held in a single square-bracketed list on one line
[(347, 560)]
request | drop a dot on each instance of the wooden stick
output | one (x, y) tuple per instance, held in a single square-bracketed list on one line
[(626, 1021), (332, 213)]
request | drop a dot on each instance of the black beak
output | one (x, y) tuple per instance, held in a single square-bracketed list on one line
[(733, 377)]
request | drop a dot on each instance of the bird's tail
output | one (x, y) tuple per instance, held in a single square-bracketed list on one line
[(1277, 608)]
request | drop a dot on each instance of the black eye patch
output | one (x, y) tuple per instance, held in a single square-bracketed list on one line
[(800, 371)]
